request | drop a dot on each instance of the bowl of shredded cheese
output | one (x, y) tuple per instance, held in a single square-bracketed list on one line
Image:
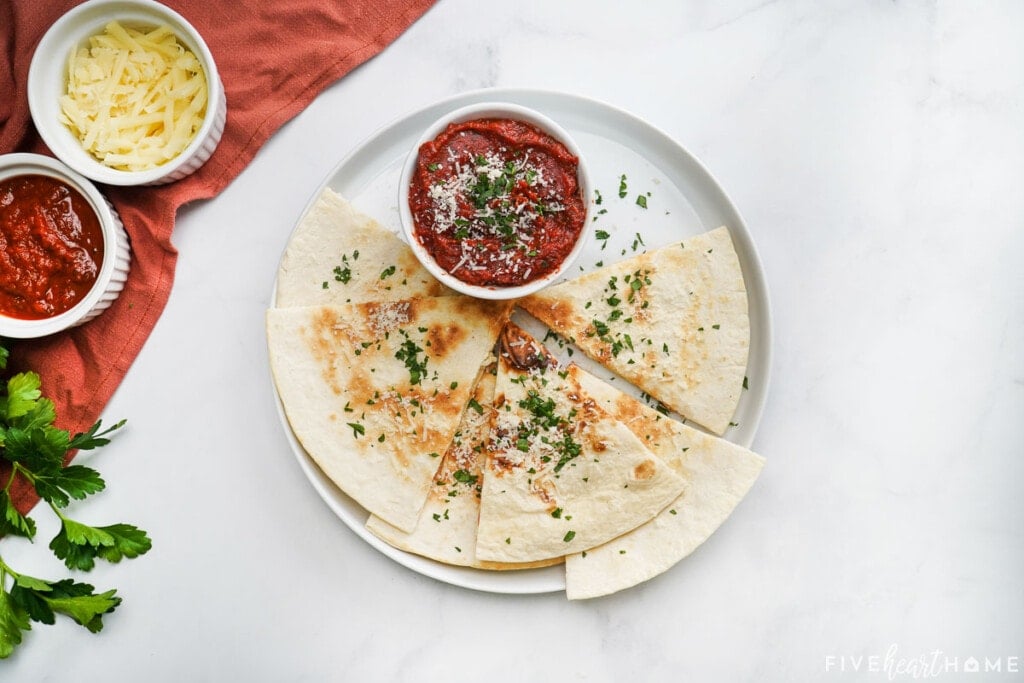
[(126, 92)]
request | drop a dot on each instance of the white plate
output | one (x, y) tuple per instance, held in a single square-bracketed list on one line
[(684, 200)]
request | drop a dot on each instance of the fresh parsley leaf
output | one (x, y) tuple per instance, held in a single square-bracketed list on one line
[(92, 438), (80, 544), (13, 621), (42, 600), (13, 522), (37, 451), (37, 448), (60, 484)]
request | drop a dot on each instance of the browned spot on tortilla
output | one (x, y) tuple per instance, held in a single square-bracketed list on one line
[(443, 338), (322, 340), (545, 490), (556, 314), (638, 419), (399, 455), (494, 312), (500, 465), (644, 470)]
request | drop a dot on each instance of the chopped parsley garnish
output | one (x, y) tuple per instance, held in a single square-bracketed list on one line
[(357, 429), (409, 352), (623, 191), (464, 477), (569, 535)]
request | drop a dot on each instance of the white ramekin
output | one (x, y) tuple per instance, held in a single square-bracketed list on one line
[(116, 254), (47, 83), (499, 110)]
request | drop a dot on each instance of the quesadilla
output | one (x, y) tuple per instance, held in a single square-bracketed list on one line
[(374, 392), (561, 475), (673, 321), (718, 475), (338, 255), (446, 530)]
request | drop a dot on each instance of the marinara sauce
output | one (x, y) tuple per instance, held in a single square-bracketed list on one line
[(51, 247), (496, 202)]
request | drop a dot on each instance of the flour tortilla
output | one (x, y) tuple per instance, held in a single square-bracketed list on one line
[(682, 336), (718, 475), (446, 530), (356, 407), (333, 234), (540, 504)]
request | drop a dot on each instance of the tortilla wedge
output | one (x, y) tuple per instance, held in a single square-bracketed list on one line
[(673, 321), (374, 392), (561, 475), (718, 475), (446, 530), (338, 255)]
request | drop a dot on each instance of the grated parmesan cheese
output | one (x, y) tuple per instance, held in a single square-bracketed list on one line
[(136, 97)]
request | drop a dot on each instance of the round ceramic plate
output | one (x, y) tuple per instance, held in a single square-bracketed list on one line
[(628, 159)]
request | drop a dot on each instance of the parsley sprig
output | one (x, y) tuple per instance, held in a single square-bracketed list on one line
[(36, 451)]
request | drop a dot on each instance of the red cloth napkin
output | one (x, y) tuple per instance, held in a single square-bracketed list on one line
[(273, 58)]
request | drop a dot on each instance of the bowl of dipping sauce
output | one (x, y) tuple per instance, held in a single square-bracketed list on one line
[(64, 254), (493, 200), (126, 92)]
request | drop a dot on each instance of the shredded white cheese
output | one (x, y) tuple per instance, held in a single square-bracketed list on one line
[(136, 97)]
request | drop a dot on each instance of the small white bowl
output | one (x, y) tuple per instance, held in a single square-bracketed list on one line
[(116, 255), (47, 82), (497, 110)]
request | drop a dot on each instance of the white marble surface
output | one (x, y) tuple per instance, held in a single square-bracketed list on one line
[(876, 151)]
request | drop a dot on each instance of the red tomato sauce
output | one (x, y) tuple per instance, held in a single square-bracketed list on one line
[(496, 202), (51, 247)]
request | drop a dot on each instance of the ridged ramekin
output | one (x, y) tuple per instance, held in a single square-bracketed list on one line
[(116, 251), (47, 83)]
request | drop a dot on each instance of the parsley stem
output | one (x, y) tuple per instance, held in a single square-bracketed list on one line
[(56, 511), (10, 481), (6, 569)]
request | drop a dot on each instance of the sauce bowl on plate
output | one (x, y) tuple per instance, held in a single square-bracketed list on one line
[(493, 200)]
